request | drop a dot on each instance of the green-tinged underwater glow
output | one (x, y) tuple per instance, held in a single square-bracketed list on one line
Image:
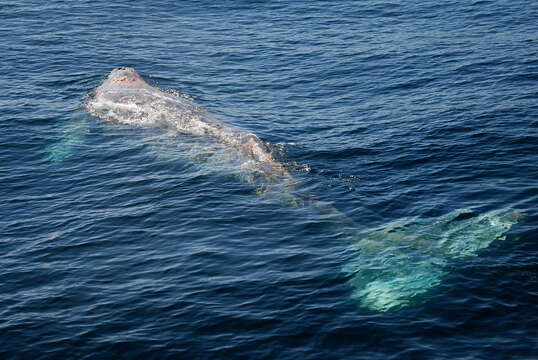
[(405, 258), (72, 134)]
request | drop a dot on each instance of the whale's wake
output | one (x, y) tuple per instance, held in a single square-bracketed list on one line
[(391, 264)]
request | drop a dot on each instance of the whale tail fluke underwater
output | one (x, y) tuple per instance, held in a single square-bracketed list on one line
[(395, 262), (389, 266)]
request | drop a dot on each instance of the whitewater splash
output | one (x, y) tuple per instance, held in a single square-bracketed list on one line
[(406, 258), (393, 263)]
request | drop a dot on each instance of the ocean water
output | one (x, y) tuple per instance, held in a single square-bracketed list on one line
[(410, 127)]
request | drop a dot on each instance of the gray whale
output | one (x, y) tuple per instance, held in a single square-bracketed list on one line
[(390, 264)]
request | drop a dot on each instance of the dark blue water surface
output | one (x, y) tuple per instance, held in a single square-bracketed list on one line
[(117, 243)]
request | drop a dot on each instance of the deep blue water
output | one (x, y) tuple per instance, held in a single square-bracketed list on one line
[(123, 246)]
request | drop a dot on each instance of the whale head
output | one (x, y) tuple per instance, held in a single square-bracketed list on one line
[(123, 96), (123, 77)]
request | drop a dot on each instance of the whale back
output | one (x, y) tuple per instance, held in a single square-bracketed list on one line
[(125, 97)]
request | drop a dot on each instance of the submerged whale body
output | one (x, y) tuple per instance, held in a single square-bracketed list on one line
[(125, 97), (391, 264)]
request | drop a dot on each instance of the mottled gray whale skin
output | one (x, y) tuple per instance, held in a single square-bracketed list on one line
[(125, 97)]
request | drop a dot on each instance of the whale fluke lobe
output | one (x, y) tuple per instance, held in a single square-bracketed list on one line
[(125, 97), (405, 258)]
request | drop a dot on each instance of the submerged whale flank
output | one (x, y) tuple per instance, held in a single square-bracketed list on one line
[(125, 97)]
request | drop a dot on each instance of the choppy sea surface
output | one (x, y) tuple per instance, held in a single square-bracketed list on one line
[(411, 128)]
